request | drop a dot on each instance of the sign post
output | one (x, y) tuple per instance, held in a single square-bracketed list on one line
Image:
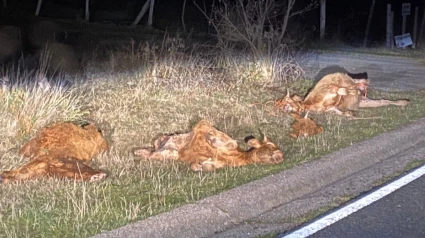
[(405, 11), (389, 27)]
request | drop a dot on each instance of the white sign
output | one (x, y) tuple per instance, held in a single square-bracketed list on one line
[(405, 9), (403, 40)]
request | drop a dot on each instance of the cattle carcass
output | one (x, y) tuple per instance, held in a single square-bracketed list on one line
[(62, 150), (206, 148)]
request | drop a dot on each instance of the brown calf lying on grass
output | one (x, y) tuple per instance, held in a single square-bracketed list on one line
[(337, 93), (206, 148), (62, 150), (304, 126)]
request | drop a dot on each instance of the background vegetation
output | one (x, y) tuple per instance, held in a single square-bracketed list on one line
[(136, 92)]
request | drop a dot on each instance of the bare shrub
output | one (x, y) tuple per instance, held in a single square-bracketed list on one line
[(257, 26), (252, 39)]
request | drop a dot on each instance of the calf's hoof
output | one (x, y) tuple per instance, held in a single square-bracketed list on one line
[(98, 177), (143, 152)]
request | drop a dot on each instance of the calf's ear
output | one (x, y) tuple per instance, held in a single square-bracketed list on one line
[(297, 98), (89, 126), (266, 139), (287, 94), (254, 143)]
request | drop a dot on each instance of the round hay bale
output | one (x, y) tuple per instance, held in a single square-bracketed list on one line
[(10, 42), (46, 32)]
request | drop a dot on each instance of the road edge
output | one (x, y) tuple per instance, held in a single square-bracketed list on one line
[(216, 214)]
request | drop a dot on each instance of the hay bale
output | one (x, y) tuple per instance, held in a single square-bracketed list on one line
[(10, 43)]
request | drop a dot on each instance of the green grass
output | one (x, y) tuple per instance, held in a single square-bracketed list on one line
[(150, 92)]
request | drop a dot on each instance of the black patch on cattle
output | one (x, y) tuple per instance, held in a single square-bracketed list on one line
[(248, 138), (338, 69), (359, 75)]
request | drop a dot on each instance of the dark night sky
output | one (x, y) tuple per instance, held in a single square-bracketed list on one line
[(346, 20)]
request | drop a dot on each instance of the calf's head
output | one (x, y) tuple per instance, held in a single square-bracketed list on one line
[(263, 152), (290, 104)]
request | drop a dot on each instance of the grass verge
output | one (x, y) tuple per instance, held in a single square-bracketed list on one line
[(161, 95)]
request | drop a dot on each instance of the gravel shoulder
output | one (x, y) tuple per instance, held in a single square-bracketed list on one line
[(390, 73)]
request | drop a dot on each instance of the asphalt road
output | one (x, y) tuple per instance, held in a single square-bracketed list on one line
[(400, 214), (280, 202)]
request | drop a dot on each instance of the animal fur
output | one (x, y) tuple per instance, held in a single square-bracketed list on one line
[(337, 93), (304, 126), (206, 148), (62, 150)]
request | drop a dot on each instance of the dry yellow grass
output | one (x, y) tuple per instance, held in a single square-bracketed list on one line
[(137, 94)]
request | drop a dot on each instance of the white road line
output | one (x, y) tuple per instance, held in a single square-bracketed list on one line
[(353, 207)]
